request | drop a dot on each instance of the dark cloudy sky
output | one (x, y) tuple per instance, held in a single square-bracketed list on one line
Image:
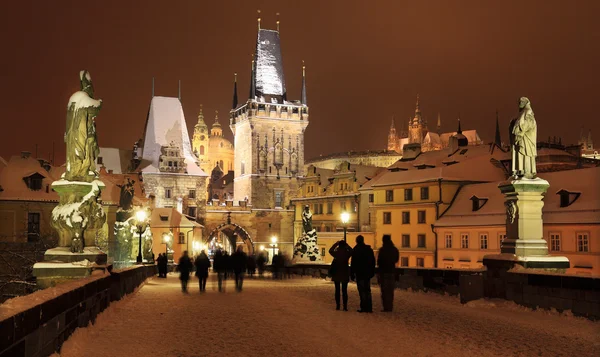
[(366, 61)]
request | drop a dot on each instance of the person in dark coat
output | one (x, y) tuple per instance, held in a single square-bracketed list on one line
[(363, 269), (339, 272), (185, 267), (260, 264), (386, 261), (227, 264), (202, 264), (220, 267), (275, 266), (251, 265), (160, 262), (280, 264), (239, 259)]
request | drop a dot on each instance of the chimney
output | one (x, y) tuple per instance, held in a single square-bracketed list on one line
[(110, 172), (411, 151), (25, 154)]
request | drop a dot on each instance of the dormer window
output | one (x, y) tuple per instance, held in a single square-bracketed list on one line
[(164, 218), (567, 197), (478, 202), (34, 181)]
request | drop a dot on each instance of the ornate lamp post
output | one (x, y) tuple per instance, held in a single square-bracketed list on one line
[(345, 219), (273, 245), (141, 219)]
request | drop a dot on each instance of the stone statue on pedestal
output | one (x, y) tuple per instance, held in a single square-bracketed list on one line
[(126, 196), (523, 140), (80, 132), (306, 247)]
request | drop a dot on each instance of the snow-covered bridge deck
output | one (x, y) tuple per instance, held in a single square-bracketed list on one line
[(296, 317)]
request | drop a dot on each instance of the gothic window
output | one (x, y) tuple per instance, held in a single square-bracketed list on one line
[(263, 160), (201, 149), (278, 154), (279, 199)]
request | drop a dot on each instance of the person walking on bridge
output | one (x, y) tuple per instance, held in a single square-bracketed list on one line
[(386, 261), (339, 271), (238, 262), (185, 267), (363, 268), (220, 266), (202, 264)]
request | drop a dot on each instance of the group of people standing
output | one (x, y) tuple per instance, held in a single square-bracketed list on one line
[(362, 269)]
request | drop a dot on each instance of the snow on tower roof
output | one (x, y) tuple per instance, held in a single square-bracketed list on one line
[(166, 126), (269, 66)]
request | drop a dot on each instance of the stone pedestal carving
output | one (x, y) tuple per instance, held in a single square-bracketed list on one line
[(524, 244)]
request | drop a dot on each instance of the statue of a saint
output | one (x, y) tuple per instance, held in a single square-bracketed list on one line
[(523, 139), (126, 197), (307, 219), (80, 133)]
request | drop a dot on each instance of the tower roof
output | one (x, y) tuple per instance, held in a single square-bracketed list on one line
[(216, 124), (200, 118), (304, 84), (268, 69), (235, 97)]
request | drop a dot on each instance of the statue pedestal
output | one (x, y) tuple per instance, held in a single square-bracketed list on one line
[(306, 249), (60, 265), (77, 213), (524, 244)]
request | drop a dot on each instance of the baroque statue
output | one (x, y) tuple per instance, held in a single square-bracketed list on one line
[(307, 219), (523, 139), (80, 132), (127, 193)]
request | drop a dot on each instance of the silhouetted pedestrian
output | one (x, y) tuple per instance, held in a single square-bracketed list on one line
[(275, 266), (251, 265), (339, 271), (260, 264), (238, 262), (227, 264), (363, 268), (280, 263), (386, 261), (202, 264), (220, 267), (184, 267), (161, 262)]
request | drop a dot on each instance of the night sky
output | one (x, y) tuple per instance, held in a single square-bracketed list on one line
[(366, 61)]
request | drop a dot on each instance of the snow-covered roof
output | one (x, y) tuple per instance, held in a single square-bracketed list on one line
[(171, 218), (117, 160), (446, 156), (432, 139), (269, 66), (166, 126), (14, 187), (471, 135), (585, 209)]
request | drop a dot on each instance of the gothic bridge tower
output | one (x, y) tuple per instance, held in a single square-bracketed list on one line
[(269, 131)]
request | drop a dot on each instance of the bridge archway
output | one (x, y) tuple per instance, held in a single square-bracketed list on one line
[(227, 235)]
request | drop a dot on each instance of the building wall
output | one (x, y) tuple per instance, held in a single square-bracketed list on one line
[(14, 218), (582, 263), (156, 184), (375, 160)]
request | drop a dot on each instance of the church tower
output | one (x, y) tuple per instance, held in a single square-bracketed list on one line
[(393, 139), (216, 129), (417, 127), (200, 141), (269, 131)]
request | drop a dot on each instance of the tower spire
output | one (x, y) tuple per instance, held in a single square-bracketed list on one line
[(258, 18), (200, 115), (439, 123), (459, 131), (417, 109), (304, 84), (235, 97), (252, 80), (497, 138), (277, 16)]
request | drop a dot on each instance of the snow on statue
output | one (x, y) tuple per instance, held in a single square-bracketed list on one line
[(523, 138), (306, 247), (80, 133)]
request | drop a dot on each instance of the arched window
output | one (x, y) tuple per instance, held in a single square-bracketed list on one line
[(201, 149), (181, 238)]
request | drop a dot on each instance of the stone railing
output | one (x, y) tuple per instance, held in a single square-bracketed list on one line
[(39, 323), (580, 295)]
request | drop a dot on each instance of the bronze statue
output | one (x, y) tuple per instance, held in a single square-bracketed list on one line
[(523, 140), (80, 133), (126, 197)]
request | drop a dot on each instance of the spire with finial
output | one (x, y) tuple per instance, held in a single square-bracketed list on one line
[(439, 123), (304, 84), (200, 116), (235, 98), (497, 138), (459, 131), (417, 109), (216, 129), (258, 18), (277, 16), (252, 80)]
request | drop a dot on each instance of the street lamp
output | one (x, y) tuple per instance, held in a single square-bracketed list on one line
[(166, 239), (142, 224), (273, 245), (345, 219)]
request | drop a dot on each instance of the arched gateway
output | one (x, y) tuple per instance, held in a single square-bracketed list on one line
[(226, 236)]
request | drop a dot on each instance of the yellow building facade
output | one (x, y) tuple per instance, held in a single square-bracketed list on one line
[(211, 147)]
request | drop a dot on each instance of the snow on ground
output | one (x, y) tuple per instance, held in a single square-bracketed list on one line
[(297, 317)]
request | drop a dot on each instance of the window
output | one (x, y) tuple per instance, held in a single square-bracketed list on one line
[(167, 192), (34, 181), (389, 196), (192, 211), (170, 163), (421, 240), (387, 217), (181, 238), (464, 241), (100, 162), (192, 194), (406, 217), (421, 217), (371, 198), (483, 241), (201, 149), (582, 242), (408, 194), (33, 226), (403, 261), (329, 207), (279, 199), (316, 208), (424, 193), (406, 241), (320, 208), (448, 239), (555, 242), (420, 262)]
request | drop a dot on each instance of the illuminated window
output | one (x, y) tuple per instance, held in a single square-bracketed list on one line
[(448, 239), (424, 193), (464, 241), (387, 217), (406, 241), (181, 238), (408, 194), (406, 217), (483, 241), (389, 196)]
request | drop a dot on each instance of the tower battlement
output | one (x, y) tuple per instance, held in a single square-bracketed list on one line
[(261, 110)]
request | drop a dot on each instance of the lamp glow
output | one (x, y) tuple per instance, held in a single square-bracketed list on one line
[(262, 247), (345, 217), (166, 237), (140, 215), (274, 240)]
